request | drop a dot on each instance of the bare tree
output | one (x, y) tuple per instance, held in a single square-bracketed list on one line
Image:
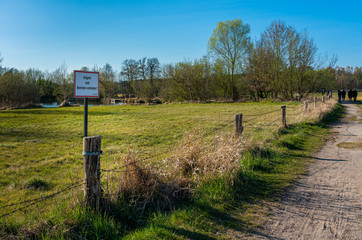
[(333, 61), (258, 70), (292, 55), (130, 70), (142, 68), (153, 70), (275, 39), (64, 81)]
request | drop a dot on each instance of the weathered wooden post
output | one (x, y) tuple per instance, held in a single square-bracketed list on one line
[(315, 102), (323, 99), (238, 125), (284, 116), (305, 106), (92, 174)]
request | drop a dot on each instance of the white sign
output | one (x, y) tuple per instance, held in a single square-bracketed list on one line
[(86, 84)]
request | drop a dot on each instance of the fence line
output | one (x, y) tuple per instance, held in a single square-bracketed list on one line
[(38, 200), (250, 123), (171, 149), (247, 123), (272, 123), (261, 114)]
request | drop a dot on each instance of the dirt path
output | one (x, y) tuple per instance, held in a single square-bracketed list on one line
[(327, 203)]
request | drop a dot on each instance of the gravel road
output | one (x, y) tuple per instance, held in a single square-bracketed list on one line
[(327, 202)]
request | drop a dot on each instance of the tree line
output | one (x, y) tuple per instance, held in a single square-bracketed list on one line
[(22, 88), (283, 63)]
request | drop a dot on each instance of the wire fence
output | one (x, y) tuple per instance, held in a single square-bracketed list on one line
[(251, 122), (264, 121), (30, 202)]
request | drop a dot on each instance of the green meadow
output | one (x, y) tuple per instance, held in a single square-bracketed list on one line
[(47, 142), (41, 153)]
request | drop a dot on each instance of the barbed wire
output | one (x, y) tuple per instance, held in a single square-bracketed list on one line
[(117, 170), (260, 114), (248, 122), (272, 123), (31, 200), (293, 107), (205, 135), (245, 124), (245, 120), (124, 171), (294, 114), (171, 149), (38, 200), (255, 126)]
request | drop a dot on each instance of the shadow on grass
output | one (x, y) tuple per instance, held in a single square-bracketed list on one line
[(248, 188), (252, 185), (332, 116)]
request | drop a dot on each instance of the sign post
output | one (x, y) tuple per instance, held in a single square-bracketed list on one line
[(86, 85), (85, 117)]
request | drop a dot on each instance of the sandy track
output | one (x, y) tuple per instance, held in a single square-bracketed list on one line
[(327, 202)]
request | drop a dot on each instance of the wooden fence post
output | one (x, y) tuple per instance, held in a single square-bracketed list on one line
[(284, 116), (305, 105), (315, 102), (323, 99), (238, 125), (92, 174)]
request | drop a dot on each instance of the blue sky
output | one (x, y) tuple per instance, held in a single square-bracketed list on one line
[(44, 34)]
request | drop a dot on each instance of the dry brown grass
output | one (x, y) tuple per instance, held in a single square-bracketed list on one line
[(320, 110), (194, 162), (147, 188), (199, 162), (190, 165)]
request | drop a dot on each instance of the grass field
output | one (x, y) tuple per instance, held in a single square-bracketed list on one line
[(46, 144)]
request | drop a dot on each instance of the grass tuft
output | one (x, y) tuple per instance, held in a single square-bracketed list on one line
[(146, 190), (36, 183), (350, 145)]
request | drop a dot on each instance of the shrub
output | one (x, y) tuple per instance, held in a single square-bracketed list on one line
[(201, 163), (148, 189)]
